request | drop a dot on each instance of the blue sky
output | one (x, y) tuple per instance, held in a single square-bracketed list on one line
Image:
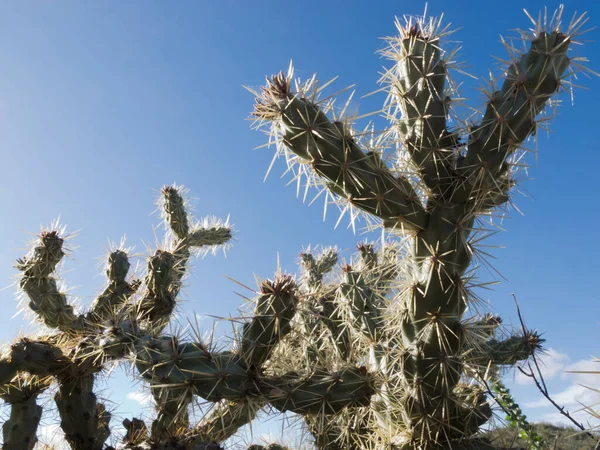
[(101, 103)]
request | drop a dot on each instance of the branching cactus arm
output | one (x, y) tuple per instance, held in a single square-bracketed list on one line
[(167, 267), (118, 291), (45, 297), (328, 146)]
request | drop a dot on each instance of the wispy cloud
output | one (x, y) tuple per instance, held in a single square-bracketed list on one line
[(582, 391), (573, 395)]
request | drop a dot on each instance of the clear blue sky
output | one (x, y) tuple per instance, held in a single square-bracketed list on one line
[(101, 103)]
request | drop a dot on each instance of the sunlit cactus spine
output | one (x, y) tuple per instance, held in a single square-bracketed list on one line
[(436, 186)]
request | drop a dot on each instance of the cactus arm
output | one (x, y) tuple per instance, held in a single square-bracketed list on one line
[(136, 432), (333, 319), (116, 293), (167, 268), (275, 308), (39, 357), (20, 429), (322, 305), (172, 412), (83, 419), (45, 298), (364, 304), (314, 269), (508, 351), (162, 287), (418, 95), (334, 155), (8, 370), (103, 430), (226, 419), (224, 375), (322, 392), (234, 376), (364, 288), (326, 432), (509, 119)]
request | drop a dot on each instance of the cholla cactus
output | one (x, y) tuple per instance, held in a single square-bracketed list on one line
[(436, 187), (386, 351), (127, 322)]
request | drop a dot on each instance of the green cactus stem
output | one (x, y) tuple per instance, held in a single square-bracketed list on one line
[(420, 97), (334, 155), (39, 357), (226, 419), (46, 300), (20, 429), (509, 351), (167, 268), (275, 308), (118, 291)]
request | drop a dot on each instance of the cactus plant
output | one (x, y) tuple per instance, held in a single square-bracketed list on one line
[(387, 350), (434, 187), (127, 322)]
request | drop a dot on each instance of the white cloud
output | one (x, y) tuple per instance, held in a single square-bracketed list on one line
[(551, 364), (581, 392), (558, 419), (585, 365), (574, 395), (143, 398)]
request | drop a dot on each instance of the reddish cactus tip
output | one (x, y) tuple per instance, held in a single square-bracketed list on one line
[(283, 284), (278, 88), (53, 234)]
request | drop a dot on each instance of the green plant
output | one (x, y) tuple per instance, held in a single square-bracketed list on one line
[(383, 353), (516, 418)]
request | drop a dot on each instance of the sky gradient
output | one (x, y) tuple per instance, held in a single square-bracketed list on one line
[(102, 103)]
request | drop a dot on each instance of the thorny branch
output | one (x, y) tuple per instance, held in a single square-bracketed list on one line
[(534, 373)]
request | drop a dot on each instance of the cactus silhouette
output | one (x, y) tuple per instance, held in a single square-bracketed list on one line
[(388, 349)]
